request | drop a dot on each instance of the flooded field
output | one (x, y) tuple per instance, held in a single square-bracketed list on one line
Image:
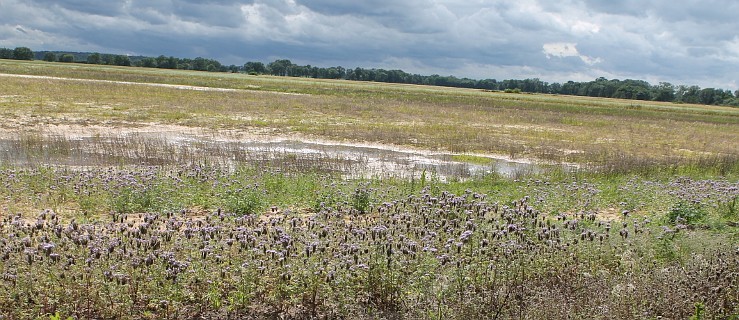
[(351, 160)]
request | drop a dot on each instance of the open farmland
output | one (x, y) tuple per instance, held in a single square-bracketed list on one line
[(130, 193), (556, 128)]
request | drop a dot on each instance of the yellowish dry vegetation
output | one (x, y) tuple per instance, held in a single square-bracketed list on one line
[(547, 127)]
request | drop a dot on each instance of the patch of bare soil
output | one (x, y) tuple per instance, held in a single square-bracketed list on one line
[(609, 214), (151, 84)]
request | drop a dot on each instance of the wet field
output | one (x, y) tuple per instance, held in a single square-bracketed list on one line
[(351, 160)]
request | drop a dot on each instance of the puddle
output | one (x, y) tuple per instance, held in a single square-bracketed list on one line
[(178, 148)]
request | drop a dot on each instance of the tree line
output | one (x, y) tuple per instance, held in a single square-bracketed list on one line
[(601, 87)]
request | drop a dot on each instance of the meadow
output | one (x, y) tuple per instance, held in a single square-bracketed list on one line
[(100, 221), (544, 127)]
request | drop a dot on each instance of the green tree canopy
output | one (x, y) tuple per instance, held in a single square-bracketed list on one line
[(147, 63), (122, 60), (255, 67), (665, 91), (280, 67), (94, 58), (22, 53), (6, 53), (108, 59), (50, 56), (66, 58)]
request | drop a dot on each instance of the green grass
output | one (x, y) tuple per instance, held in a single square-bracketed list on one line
[(191, 221), (469, 158)]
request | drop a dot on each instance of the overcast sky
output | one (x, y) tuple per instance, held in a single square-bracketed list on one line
[(678, 41)]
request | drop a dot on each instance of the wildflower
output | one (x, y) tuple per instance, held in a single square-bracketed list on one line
[(465, 236), (624, 233)]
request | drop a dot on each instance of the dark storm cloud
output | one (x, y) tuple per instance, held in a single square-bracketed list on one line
[(213, 13), (663, 40)]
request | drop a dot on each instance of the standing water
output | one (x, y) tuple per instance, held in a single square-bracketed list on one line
[(158, 148)]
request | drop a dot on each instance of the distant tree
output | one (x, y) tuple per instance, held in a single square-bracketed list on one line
[(601, 87), (358, 74), (122, 60), (167, 63), (184, 64), (173, 63), (108, 59), (6, 53), (555, 88), (570, 87), (216, 66), (162, 61), (203, 64), (49, 56), (734, 101), (66, 58), (633, 89), (280, 67), (707, 96), (381, 76), (200, 64), (687, 94), (665, 91), (723, 97), (147, 63), (331, 73), (94, 58), (255, 68), (22, 53)]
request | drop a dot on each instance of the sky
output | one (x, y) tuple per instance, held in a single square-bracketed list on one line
[(692, 42)]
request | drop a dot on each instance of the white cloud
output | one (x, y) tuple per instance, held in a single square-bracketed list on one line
[(563, 50), (584, 28)]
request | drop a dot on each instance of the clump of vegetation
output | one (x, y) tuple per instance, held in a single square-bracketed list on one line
[(472, 159), (362, 198), (244, 201), (684, 212)]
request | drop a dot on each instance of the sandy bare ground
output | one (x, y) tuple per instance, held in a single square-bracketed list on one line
[(150, 84)]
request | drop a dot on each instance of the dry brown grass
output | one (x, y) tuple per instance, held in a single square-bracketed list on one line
[(557, 128)]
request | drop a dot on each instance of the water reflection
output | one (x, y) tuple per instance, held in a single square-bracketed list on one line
[(144, 148)]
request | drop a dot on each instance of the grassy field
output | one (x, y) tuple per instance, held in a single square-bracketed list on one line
[(545, 127), (648, 230)]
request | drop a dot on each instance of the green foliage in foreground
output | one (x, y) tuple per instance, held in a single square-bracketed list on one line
[(199, 242)]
